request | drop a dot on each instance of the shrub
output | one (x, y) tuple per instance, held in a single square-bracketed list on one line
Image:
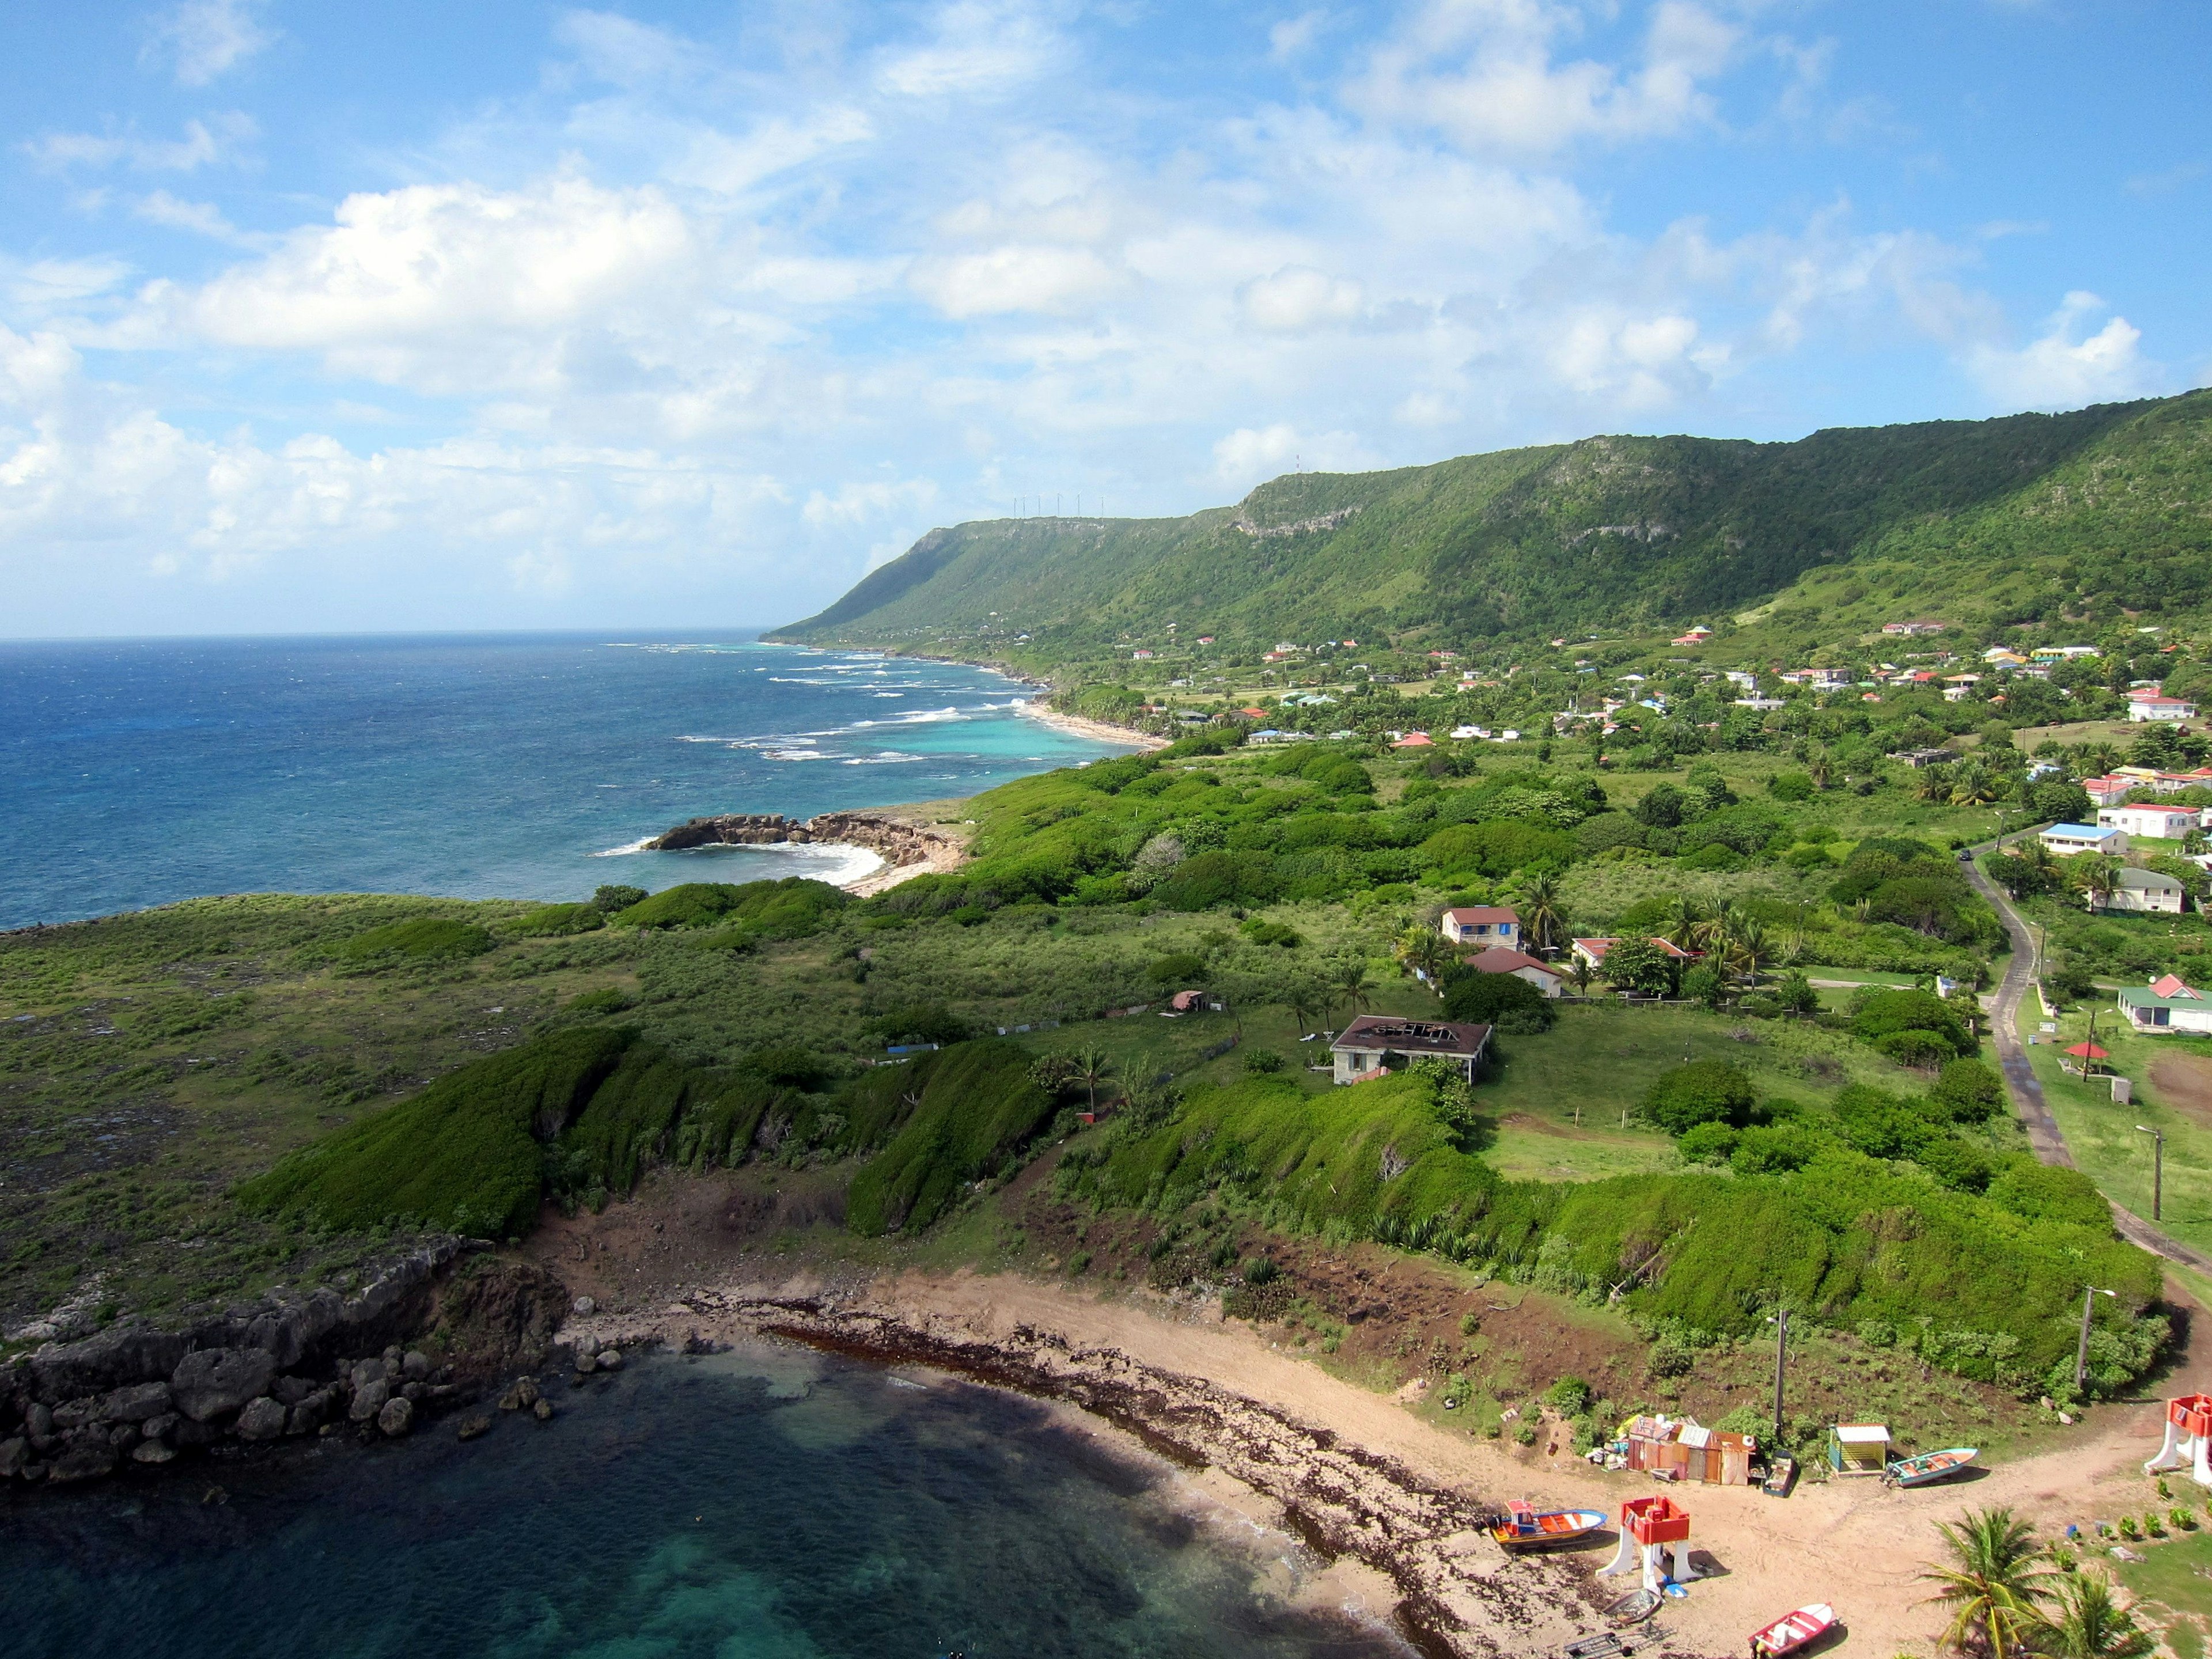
[(425, 939), (1637, 964), (1569, 1396), (790, 908), (1176, 971), (1703, 1091), (1511, 1003), (2044, 1192), (1262, 1061), (607, 1000), (1969, 1090), (1790, 786), (1921, 1050), (557, 920), (790, 1065), (1207, 879), (1779, 1148), (1878, 1014), (1496, 847), (921, 1022), (976, 1106), (614, 896), (1708, 1143), (1261, 1270)]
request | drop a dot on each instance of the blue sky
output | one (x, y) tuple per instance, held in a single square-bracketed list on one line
[(511, 316)]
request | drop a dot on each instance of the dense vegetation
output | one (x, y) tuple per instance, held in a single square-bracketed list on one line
[(2014, 518)]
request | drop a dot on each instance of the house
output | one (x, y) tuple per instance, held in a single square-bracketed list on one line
[(1911, 629), (1368, 1047), (1501, 959), (2166, 1004), (1743, 677), (1917, 758), (1592, 950), (1484, 924), (1470, 731), (2064, 653), (1206, 639), (1821, 679), (2107, 790), (2152, 704), (1765, 705), (1695, 636), (2166, 823), (2067, 839), (2145, 891), (1415, 740)]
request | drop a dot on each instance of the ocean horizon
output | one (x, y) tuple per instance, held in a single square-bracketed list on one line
[(531, 766)]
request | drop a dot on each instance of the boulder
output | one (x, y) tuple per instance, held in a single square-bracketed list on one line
[(520, 1395), (39, 1421), (543, 1411), (261, 1419), (137, 1404), (367, 1372), (396, 1417), (122, 1436), (611, 1359), (162, 1427), (310, 1414), (127, 1352), (211, 1381), (290, 1391), (86, 1462), (74, 1414), (153, 1451), (416, 1366), (583, 1307), (368, 1402), (14, 1457), (586, 1362), (473, 1424)]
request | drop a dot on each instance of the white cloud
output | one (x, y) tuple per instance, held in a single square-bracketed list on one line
[(979, 49), (857, 504), (1294, 36), (1298, 298), (1019, 277), (2063, 367), (201, 218), (218, 138), (205, 38), (1248, 456), (1483, 72)]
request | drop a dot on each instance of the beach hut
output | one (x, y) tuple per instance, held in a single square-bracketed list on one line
[(1682, 1449), (1858, 1448), (2188, 1438)]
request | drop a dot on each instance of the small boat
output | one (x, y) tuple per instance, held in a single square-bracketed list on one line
[(1781, 1475), (1930, 1466), (1632, 1608), (1523, 1528), (1793, 1631)]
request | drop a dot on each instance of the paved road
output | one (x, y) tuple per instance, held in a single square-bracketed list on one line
[(2044, 1135)]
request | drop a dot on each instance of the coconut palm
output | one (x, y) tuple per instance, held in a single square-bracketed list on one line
[(1093, 1066), (1422, 951), (2097, 877), (1543, 910), (1688, 923), (1935, 783), (2087, 1623), (1994, 1583), (1351, 984), (1748, 951), (1821, 769), (1972, 785), (1302, 1001), (1581, 975)]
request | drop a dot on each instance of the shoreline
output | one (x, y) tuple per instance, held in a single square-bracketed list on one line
[(1082, 725)]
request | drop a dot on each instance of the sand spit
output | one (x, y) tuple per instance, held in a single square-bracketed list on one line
[(1081, 726), (1458, 1593)]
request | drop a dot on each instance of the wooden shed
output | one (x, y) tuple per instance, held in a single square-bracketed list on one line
[(1858, 1447), (1684, 1449)]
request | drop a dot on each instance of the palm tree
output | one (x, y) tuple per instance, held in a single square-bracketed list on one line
[(1687, 922), (1972, 786), (1350, 984), (1302, 1003), (1543, 910), (1821, 769), (1422, 951), (2096, 876), (1093, 1066), (2088, 1624), (1749, 951), (1581, 974), (1936, 784), (1993, 1584)]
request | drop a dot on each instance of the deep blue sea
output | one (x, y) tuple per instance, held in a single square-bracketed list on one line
[(519, 766), (761, 1505)]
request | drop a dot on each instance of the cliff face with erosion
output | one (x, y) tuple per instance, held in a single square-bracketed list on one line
[(900, 843)]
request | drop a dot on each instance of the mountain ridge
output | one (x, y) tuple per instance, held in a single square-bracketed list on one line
[(1609, 532)]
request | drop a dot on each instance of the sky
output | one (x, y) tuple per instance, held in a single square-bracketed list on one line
[(510, 316)]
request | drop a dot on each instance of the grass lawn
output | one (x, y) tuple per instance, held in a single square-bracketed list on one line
[(2174, 1580), (2103, 1137)]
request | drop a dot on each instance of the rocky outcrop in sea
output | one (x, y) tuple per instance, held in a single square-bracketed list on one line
[(899, 842), (421, 1337)]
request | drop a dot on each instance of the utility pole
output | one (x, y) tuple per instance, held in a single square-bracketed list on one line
[(2157, 1167), (1781, 1348), (2089, 1295)]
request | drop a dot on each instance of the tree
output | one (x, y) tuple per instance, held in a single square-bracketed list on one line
[(1687, 921), (1422, 951), (1093, 1066), (1349, 982), (1637, 964), (1748, 950), (1452, 1096), (2096, 877), (1973, 785), (1703, 1091), (1993, 1584), (1543, 910), (2086, 1622), (1580, 974), (1821, 769)]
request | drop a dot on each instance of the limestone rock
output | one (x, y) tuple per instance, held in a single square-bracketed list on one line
[(162, 1427), (74, 1414), (475, 1424), (611, 1359), (416, 1366), (261, 1419), (367, 1372), (310, 1414), (369, 1401), (153, 1451), (543, 1411), (586, 1362), (521, 1396), (137, 1404), (209, 1381), (123, 1436), (583, 1307), (86, 1462), (39, 1421), (290, 1391), (14, 1457), (396, 1417)]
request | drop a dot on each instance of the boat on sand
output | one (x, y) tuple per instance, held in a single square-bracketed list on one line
[(1793, 1631), (1524, 1528), (1930, 1466)]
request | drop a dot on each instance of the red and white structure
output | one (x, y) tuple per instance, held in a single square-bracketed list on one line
[(1652, 1529), (2188, 1438)]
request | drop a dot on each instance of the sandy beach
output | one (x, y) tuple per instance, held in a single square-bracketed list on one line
[(1078, 726), (1361, 1476)]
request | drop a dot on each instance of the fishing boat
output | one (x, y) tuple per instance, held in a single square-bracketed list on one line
[(1929, 1467), (1522, 1528), (1793, 1631), (1781, 1475), (1632, 1608)]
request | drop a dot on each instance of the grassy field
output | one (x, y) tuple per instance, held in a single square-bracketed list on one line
[(2103, 1136), (2174, 1579)]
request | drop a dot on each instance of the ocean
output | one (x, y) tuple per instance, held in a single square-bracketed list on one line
[(765, 1504), (516, 766)]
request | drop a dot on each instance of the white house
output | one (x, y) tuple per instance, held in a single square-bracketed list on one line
[(1366, 1046), (1499, 960), (2166, 1004), (2065, 840), (2145, 890), (2165, 822), (1483, 926), (2152, 704)]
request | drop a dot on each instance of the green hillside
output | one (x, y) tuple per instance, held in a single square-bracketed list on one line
[(2028, 517)]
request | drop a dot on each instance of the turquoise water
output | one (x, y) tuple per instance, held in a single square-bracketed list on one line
[(138, 772), (764, 1505)]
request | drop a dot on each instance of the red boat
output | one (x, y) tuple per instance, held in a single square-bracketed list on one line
[(1523, 1528), (1793, 1631)]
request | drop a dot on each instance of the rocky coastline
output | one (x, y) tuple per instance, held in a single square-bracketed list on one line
[(427, 1335), (897, 841)]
